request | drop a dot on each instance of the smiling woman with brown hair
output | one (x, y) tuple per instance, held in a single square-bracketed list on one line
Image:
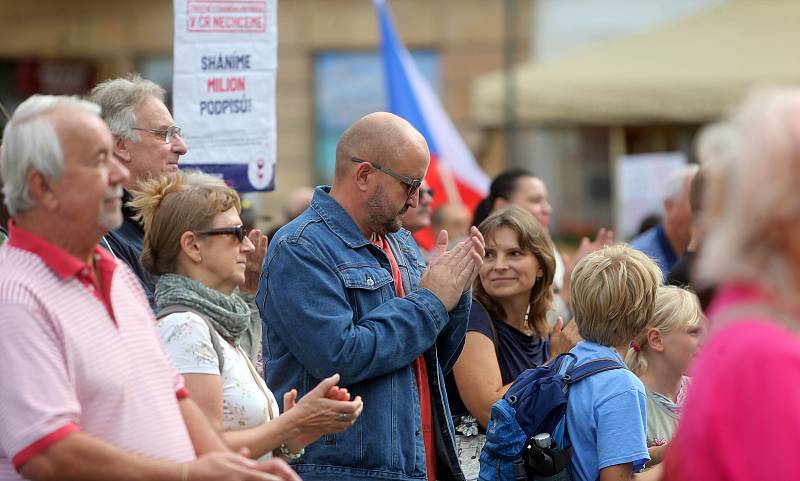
[(195, 243), (508, 331)]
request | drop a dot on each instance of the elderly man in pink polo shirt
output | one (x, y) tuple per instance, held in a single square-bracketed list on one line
[(86, 391)]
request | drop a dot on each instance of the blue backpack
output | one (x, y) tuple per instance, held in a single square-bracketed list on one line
[(536, 403)]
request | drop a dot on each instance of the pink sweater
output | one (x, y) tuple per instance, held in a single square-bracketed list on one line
[(741, 419)]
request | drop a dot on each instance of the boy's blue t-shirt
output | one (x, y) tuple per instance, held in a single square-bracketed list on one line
[(606, 417)]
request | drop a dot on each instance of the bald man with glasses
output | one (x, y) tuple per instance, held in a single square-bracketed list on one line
[(345, 290)]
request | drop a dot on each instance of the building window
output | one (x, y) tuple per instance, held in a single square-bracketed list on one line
[(349, 85)]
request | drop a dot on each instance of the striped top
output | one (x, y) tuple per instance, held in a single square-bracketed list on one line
[(80, 354)]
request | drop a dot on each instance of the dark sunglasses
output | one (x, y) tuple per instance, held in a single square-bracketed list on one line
[(426, 191), (412, 185), (238, 231)]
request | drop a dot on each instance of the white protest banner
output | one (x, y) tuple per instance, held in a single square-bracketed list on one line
[(225, 60), (641, 187)]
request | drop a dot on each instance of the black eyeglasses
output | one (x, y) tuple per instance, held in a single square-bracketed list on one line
[(411, 184), (238, 231), (167, 134)]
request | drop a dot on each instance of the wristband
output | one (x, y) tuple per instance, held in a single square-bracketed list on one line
[(184, 472)]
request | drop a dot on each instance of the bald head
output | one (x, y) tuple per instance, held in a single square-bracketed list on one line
[(455, 218), (381, 138), (297, 201), (383, 183)]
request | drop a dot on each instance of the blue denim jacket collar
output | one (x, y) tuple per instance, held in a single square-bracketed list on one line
[(339, 221)]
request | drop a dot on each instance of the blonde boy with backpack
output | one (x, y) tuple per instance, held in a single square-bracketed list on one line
[(612, 298)]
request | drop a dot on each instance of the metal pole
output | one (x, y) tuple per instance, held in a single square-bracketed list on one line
[(510, 56), (616, 148)]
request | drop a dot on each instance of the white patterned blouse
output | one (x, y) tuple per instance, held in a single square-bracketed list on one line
[(247, 401)]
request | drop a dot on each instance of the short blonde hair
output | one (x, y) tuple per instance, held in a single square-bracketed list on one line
[(613, 294), (534, 239), (676, 309), (170, 206)]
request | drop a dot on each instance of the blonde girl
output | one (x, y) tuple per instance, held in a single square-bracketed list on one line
[(660, 355)]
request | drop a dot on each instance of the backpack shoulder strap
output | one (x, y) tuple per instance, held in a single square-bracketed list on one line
[(215, 343), (562, 363), (593, 367)]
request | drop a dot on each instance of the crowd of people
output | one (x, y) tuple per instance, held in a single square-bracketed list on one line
[(148, 334)]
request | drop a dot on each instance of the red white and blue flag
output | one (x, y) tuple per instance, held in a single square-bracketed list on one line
[(453, 172)]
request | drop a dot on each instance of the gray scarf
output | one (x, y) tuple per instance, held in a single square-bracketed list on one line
[(229, 314)]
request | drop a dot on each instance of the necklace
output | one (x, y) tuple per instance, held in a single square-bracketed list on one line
[(524, 328)]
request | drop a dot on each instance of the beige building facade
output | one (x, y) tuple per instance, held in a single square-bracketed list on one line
[(79, 42)]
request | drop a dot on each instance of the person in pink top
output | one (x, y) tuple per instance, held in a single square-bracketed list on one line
[(87, 391), (741, 417)]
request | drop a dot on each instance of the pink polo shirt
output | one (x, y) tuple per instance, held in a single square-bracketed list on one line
[(80, 354)]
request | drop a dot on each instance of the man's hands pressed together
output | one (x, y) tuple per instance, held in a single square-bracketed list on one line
[(451, 273)]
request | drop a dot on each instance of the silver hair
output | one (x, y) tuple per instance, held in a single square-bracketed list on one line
[(716, 141), (30, 142), (676, 184), (119, 99), (754, 193)]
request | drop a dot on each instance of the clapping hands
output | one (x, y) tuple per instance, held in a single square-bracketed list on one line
[(452, 272), (325, 409), (255, 261), (604, 238)]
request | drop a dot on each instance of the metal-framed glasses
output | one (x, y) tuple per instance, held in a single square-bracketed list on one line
[(411, 184), (167, 134), (238, 231)]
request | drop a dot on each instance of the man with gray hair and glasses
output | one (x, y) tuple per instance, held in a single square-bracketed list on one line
[(147, 143), (666, 242), (87, 391)]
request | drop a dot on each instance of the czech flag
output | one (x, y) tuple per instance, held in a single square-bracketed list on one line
[(453, 172)]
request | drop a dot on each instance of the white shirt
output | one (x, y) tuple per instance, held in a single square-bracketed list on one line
[(247, 402), (558, 276)]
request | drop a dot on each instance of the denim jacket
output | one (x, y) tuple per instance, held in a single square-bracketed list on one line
[(328, 305)]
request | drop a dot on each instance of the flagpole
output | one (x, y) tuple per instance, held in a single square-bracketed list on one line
[(511, 84)]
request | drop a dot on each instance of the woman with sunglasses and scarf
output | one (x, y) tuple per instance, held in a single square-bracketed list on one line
[(195, 244)]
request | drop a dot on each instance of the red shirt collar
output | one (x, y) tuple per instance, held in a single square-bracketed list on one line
[(64, 264)]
